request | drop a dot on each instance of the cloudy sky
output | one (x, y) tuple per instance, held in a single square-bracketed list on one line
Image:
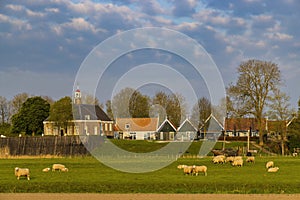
[(43, 43)]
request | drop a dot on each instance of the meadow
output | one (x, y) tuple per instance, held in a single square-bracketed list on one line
[(88, 175)]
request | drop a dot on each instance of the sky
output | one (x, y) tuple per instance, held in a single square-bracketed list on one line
[(43, 43)]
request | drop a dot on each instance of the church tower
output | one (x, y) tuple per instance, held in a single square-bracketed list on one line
[(77, 96)]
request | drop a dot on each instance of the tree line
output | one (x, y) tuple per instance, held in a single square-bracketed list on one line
[(256, 93)]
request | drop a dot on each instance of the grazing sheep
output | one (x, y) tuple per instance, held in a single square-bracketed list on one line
[(57, 167), (219, 159), (197, 169), (269, 164), (273, 169), (238, 162), (250, 159), (181, 166), (188, 170), (65, 169), (229, 159), (22, 172), (238, 158), (46, 169)]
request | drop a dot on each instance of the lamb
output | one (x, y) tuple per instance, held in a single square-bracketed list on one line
[(273, 169), (22, 172), (57, 167), (269, 164), (46, 169), (237, 162), (219, 159), (229, 159), (181, 166), (197, 169), (65, 169), (188, 170), (250, 159)]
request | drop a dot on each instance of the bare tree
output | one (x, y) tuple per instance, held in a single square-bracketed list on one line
[(280, 110), (17, 102), (256, 82), (201, 111), (4, 110)]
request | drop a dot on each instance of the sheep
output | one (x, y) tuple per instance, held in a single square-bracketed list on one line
[(57, 167), (250, 159), (197, 169), (237, 162), (46, 169), (273, 169), (187, 170), (238, 158), (22, 172), (65, 169), (181, 166), (229, 159), (269, 164), (219, 159)]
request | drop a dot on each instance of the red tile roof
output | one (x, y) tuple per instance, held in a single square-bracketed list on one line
[(137, 124), (243, 124)]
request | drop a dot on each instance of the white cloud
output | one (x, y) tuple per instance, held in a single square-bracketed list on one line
[(15, 23), (279, 36)]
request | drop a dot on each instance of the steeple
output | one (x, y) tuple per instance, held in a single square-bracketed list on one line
[(77, 96)]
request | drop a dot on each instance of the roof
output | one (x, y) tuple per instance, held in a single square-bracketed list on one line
[(136, 124), (166, 126), (242, 124), (186, 125), (276, 126), (89, 112)]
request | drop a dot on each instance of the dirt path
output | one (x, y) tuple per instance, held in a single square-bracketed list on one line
[(38, 196)]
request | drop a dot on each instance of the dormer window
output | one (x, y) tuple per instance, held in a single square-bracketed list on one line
[(87, 117), (127, 126)]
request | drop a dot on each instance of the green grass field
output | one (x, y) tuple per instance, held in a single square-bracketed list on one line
[(86, 174)]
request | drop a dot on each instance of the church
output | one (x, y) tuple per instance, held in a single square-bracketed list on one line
[(88, 119)]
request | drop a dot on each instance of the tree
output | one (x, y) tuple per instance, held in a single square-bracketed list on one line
[(130, 103), (17, 102), (4, 110), (31, 116), (257, 80), (61, 113), (201, 111), (280, 110), (294, 131), (172, 106)]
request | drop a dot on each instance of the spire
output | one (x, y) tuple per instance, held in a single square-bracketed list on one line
[(77, 96)]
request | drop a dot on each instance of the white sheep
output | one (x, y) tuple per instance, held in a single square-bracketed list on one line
[(250, 159), (187, 170), (238, 158), (57, 167), (269, 164), (65, 169), (181, 166), (46, 169), (237, 162), (219, 159), (197, 169), (22, 172), (229, 159), (273, 169)]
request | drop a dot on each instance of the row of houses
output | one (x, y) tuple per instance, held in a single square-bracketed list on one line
[(92, 120)]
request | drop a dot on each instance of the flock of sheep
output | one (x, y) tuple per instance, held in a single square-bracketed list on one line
[(26, 172), (221, 159)]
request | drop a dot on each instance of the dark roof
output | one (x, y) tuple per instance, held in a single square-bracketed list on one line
[(166, 126), (81, 111), (242, 124), (186, 126)]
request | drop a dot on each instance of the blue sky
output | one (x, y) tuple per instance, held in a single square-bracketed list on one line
[(43, 43)]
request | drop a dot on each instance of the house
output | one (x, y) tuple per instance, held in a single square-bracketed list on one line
[(211, 129), (87, 120), (166, 131), (186, 131), (241, 126), (136, 128)]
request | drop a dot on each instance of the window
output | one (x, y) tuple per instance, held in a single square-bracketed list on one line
[(105, 127), (110, 127), (95, 130), (127, 126), (87, 117)]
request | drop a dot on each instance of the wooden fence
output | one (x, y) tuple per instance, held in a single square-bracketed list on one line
[(39, 146)]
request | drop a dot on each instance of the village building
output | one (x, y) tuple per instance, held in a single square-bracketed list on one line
[(186, 131), (87, 120)]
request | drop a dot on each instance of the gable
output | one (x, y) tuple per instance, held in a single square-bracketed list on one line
[(166, 126), (187, 126)]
